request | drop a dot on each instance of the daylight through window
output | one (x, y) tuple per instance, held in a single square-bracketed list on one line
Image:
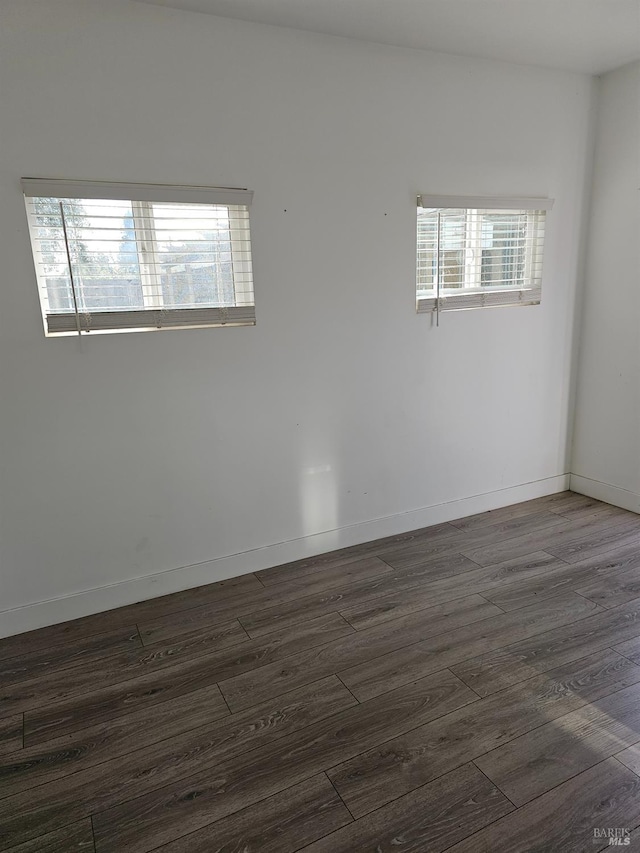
[(111, 257), (479, 252)]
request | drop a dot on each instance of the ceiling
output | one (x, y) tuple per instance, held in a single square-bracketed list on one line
[(591, 36)]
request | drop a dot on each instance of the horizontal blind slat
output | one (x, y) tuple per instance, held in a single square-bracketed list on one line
[(491, 299), (152, 319), (477, 255), (133, 263)]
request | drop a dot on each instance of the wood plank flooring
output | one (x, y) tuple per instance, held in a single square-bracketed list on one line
[(472, 686)]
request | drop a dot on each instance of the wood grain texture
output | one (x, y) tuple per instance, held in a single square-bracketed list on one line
[(61, 685), (630, 757), (613, 591), (270, 680), (70, 633), (154, 819), (175, 679), (401, 601), (320, 562), (577, 540), (336, 599), (35, 765), (562, 577), (569, 504), (77, 838), (344, 573), (607, 795), (88, 652), (564, 503), (173, 625), (539, 525), (393, 669), (202, 750), (431, 818), (10, 734), (426, 550), (634, 838), (512, 527), (108, 703), (280, 824), (540, 760), (495, 670), (416, 683), (597, 511), (602, 539), (630, 649), (387, 771)]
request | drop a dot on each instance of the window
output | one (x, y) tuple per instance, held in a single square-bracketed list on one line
[(113, 257), (475, 252)]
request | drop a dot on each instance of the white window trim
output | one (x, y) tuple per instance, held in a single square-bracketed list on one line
[(485, 297), (179, 194), (484, 202)]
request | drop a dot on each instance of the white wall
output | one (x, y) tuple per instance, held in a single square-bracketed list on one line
[(125, 456), (606, 452)]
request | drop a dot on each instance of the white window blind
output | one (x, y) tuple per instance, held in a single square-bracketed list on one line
[(476, 252), (113, 256)]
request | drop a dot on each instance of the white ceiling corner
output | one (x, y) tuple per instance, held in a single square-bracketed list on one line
[(588, 36)]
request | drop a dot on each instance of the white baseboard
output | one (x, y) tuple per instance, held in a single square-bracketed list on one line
[(605, 492), (87, 602)]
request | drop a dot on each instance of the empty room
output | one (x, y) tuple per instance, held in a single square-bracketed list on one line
[(319, 426)]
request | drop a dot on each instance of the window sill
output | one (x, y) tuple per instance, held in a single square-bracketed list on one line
[(478, 299)]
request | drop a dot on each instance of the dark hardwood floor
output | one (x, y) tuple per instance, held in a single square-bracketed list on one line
[(471, 687)]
